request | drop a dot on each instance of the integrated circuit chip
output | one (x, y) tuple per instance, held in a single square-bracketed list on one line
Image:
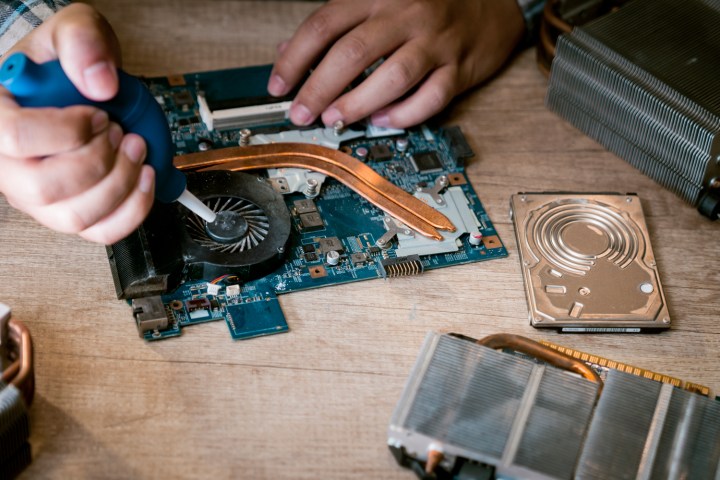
[(331, 244), (183, 98), (304, 206), (380, 153), (311, 221), (358, 258), (426, 162)]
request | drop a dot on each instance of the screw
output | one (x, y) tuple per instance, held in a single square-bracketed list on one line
[(584, 291), (666, 320), (245, 137), (380, 241), (715, 183), (628, 199), (311, 188), (401, 144), (443, 180), (338, 127)]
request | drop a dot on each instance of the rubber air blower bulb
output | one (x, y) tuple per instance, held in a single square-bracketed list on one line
[(134, 108)]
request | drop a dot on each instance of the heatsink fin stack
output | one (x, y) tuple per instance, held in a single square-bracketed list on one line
[(642, 81)]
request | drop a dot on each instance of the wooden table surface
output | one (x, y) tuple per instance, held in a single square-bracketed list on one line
[(315, 402)]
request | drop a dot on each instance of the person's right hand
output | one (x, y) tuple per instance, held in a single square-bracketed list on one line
[(71, 168)]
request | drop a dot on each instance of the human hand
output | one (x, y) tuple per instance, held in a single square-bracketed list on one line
[(71, 168), (434, 50)]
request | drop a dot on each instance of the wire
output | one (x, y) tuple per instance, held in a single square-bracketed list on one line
[(228, 277)]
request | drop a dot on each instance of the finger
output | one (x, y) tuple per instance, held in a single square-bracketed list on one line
[(39, 132), (88, 50), (45, 181), (78, 213), (395, 77), (313, 37), (128, 215), (345, 61), (432, 96)]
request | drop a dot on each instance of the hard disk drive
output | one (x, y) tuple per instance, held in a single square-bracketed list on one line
[(587, 263)]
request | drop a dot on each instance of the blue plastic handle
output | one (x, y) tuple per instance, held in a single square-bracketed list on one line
[(134, 108)]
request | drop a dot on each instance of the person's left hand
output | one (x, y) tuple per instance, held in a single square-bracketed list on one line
[(439, 48)]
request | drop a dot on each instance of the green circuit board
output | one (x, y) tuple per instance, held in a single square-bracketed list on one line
[(334, 235)]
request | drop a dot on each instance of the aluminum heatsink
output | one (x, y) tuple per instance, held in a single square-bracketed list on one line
[(477, 403), (651, 430), (471, 412), (642, 81)]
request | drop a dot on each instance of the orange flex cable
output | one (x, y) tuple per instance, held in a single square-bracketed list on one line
[(344, 168)]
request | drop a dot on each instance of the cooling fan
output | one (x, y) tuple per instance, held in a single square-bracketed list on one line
[(174, 245), (587, 263)]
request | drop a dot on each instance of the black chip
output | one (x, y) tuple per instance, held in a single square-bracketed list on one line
[(311, 221), (311, 257), (425, 162), (183, 98), (331, 244), (380, 153), (374, 250), (358, 258), (305, 206), (308, 248), (459, 146)]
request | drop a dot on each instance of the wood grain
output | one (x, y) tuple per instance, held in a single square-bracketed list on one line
[(315, 402)]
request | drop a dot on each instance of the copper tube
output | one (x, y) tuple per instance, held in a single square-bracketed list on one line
[(545, 50), (434, 459), (554, 19), (539, 351), (341, 166), (373, 197), (20, 373)]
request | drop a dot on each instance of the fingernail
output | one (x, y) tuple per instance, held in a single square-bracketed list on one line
[(380, 120), (331, 115), (115, 135), (147, 179), (97, 77), (99, 121), (300, 115), (277, 86), (134, 148), (282, 46)]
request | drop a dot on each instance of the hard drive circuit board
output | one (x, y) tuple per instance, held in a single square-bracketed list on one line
[(336, 235)]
